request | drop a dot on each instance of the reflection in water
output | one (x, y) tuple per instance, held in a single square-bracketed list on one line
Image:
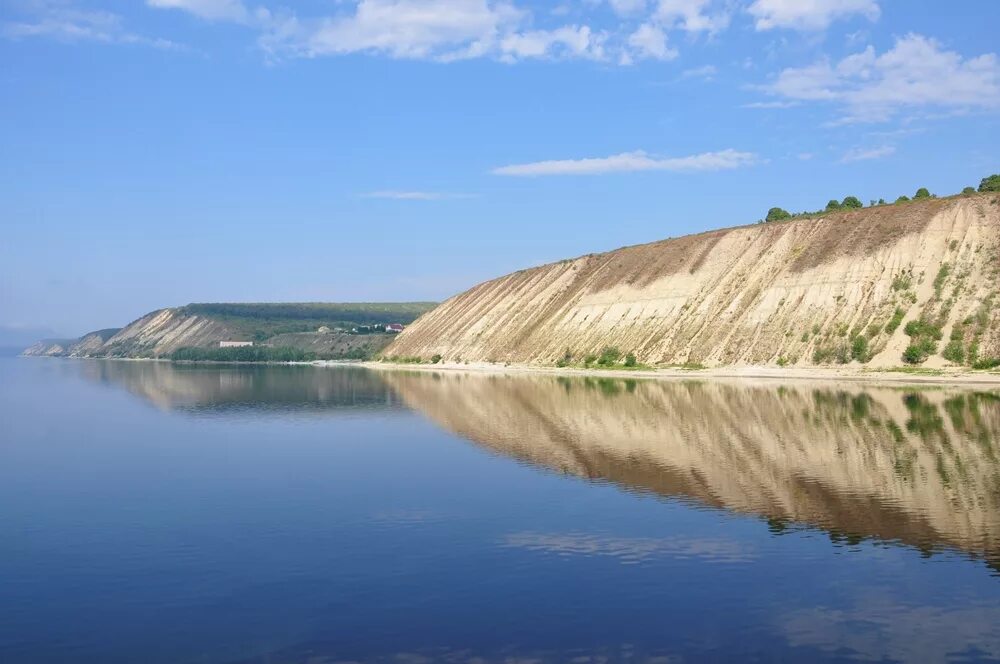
[(919, 467), (212, 388), (916, 466)]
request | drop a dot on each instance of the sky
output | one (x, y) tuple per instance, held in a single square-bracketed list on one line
[(159, 152)]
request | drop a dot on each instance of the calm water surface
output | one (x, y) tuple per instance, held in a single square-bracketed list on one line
[(158, 513)]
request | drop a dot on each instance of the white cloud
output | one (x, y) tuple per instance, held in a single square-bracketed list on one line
[(570, 40), (414, 195), (866, 154), (691, 16), (915, 73), (409, 28), (212, 10), (64, 22), (650, 41), (631, 162), (808, 14)]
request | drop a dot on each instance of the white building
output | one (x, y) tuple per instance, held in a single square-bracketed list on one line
[(234, 344)]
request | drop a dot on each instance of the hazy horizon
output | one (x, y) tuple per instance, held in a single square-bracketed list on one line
[(177, 151)]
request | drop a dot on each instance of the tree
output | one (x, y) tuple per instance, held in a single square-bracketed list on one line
[(881, 201), (852, 202), (832, 205), (777, 214), (902, 199), (969, 190), (991, 183), (922, 193)]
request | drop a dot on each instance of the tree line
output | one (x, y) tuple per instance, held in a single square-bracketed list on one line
[(990, 183)]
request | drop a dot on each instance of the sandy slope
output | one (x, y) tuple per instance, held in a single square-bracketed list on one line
[(754, 295)]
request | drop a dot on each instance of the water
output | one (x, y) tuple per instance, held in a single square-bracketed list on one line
[(158, 513)]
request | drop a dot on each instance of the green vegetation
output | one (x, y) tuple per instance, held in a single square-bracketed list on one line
[(630, 360), (954, 351), (969, 190), (902, 199), (243, 354), (402, 359), (260, 321), (921, 193), (902, 282), (894, 322), (852, 202), (923, 341), (777, 214), (838, 352), (832, 205), (990, 183), (941, 277), (860, 350), (436, 358), (609, 356)]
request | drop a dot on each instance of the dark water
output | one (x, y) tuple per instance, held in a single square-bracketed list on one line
[(153, 513)]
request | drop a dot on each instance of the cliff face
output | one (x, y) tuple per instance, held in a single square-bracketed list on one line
[(157, 333), (797, 292)]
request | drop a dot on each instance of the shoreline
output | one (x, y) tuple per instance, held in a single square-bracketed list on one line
[(886, 375), (753, 372)]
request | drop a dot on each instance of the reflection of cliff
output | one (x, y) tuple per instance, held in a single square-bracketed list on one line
[(920, 467), (253, 387)]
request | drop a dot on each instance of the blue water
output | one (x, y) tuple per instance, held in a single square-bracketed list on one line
[(158, 513)]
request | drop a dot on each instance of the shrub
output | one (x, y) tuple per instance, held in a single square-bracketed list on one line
[(919, 328), (881, 201), (630, 360), (921, 193), (969, 190), (435, 358), (832, 205), (589, 359), (777, 214), (954, 352), (902, 199), (990, 183), (852, 202), (565, 360), (917, 352), (940, 278), (860, 350), (902, 282), (609, 356)]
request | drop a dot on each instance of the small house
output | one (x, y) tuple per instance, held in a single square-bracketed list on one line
[(395, 328), (234, 344)]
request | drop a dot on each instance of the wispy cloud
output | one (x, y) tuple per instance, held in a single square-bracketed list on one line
[(771, 104), (811, 15), (415, 195), (706, 72), (631, 162), (866, 154), (65, 22)]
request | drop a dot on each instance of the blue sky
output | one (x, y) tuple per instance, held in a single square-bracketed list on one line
[(168, 151)]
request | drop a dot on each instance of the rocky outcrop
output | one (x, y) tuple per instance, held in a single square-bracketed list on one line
[(838, 288)]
